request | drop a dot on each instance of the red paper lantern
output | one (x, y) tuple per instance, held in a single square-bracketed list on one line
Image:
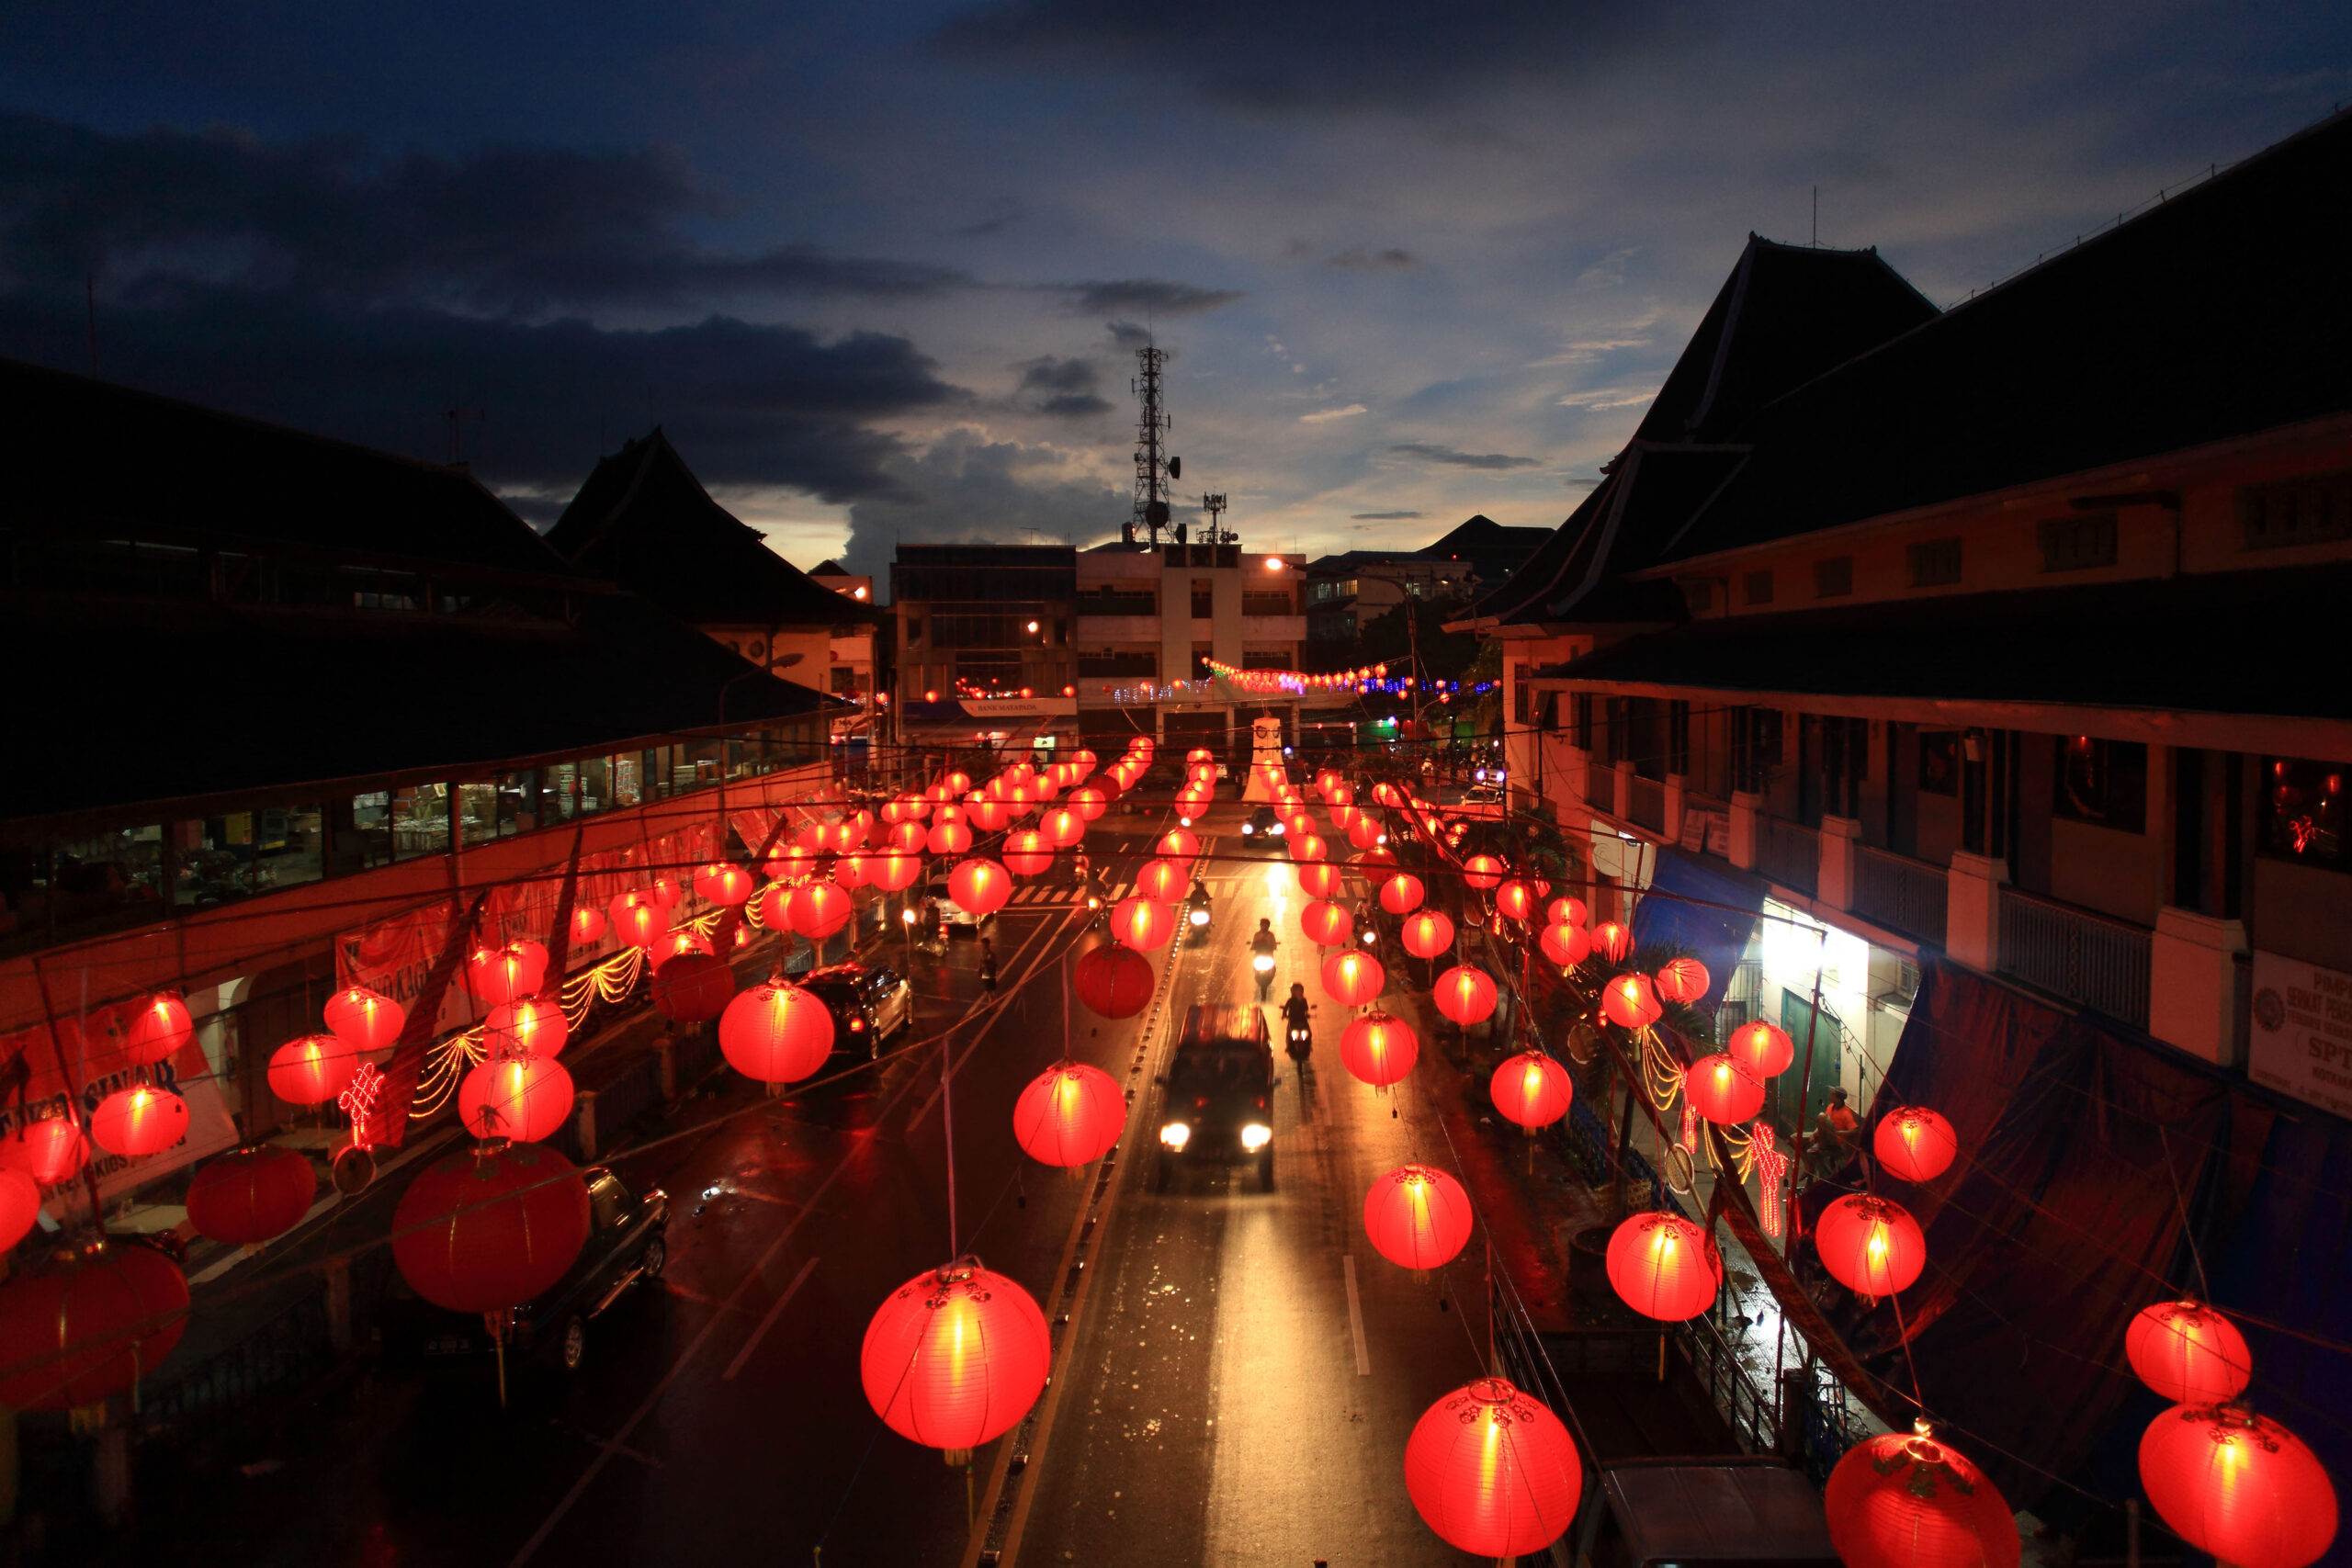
[(313, 1069), (1401, 894), (947, 839), (1566, 944), (724, 884), (49, 1151), (2189, 1353), (809, 835), (817, 910), (1365, 831), (956, 1356), (1614, 940), (1870, 1245), (1379, 1048), (1427, 933), (677, 944), (1917, 1144), (1532, 1089), (1902, 1500), (587, 929), (1071, 1113), (1465, 994), (1387, 794), (1376, 863), (1629, 1001), (1064, 828), (1162, 882), (1565, 911), (893, 870), (1682, 981), (89, 1323), (248, 1196), (1089, 801), (522, 1098), (157, 1030), (1028, 853), (502, 973), (1483, 872), (1762, 1048), (1318, 879), (1353, 977), (773, 906), (367, 1021), (1178, 844), (979, 885), (1113, 981), (1142, 923), (1417, 1217), (1306, 846), (849, 872), (532, 1027), (483, 1230), (694, 988), (1200, 754), (1324, 923), (909, 838), (1493, 1473), (2238, 1485), (791, 864), (989, 813), (1720, 1089), (1515, 900), (21, 1206), (138, 1120), (775, 1034), (638, 921), (1664, 1266)]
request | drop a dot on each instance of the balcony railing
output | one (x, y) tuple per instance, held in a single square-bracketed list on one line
[(2071, 952), (1647, 809), (1901, 894), (1788, 853)]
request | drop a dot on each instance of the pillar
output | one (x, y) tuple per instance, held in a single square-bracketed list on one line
[(1834, 885), (584, 1124), (1973, 910), (665, 1066), (1576, 776), (1677, 787), (2192, 983), (1745, 808)]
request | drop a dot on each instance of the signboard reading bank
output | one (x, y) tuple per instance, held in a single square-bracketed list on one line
[(2302, 1039)]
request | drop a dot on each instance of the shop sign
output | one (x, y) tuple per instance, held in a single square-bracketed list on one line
[(2302, 1038)]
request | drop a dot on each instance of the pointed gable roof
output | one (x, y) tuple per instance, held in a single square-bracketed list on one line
[(645, 521)]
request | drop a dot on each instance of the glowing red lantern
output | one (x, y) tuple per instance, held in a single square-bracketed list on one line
[(637, 921), (1682, 981), (587, 929), (849, 872), (956, 1356), (894, 871), (247, 1196), (1720, 1089), (1917, 1144), (1365, 831), (809, 835), (313, 1069), (1353, 977), (948, 839), (979, 885), (486, 1229), (1515, 900), (817, 910), (1324, 923), (89, 1324), (1565, 911), (676, 944), (21, 1206), (1142, 923), (1901, 1500), (1113, 981), (1318, 879), (158, 1029), (1306, 846), (1427, 933), (775, 1034), (501, 974), (1089, 801), (1064, 828), (1387, 794), (365, 1021), (1178, 844), (1629, 1001), (1565, 944), (724, 884), (50, 1150), (1071, 1113), (1028, 853), (1870, 1245), (138, 1120), (1664, 1266), (1532, 1089), (1417, 1217), (1380, 1049), (522, 1098), (907, 837), (1493, 1473), (1200, 754), (532, 1027), (1614, 940), (773, 906), (1376, 863), (2189, 1353), (694, 988), (1762, 1048), (2238, 1485), (1162, 881), (1465, 994), (989, 814), (1483, 872), (1401, 894)]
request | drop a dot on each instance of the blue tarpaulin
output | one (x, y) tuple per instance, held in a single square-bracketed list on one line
[(1707, 907)]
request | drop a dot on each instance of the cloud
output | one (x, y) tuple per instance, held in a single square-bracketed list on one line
[(1382, 516), (1061, 388), (1324, 416), (1355, 258), (1604, 398), (1429, 453), (966, 487), (1149, 296), (1129, 336)]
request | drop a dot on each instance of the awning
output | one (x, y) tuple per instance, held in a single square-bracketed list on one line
[(1706, 907)]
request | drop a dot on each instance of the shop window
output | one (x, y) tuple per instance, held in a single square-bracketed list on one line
[(2077, 544), (559, 793), (1935, 563), (2103, 781), (289, 846), (477, 813), (628, 779), (1760, 587), (1833, 578), (109, 878), (2302, 811), (1939, 762)]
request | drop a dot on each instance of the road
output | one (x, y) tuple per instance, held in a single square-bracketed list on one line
[(1244, 1375)]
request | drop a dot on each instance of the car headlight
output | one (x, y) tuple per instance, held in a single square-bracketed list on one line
[(1255, 1136), (1184, 822), (1176, 1135), (1276, 831), (1246, 830), (1200, 917)]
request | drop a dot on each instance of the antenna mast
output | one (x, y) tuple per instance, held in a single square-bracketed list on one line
[(1151, 467)]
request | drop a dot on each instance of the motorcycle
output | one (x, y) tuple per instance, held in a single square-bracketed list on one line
[(1264, 964), (1298, 1043), (1196, 914)]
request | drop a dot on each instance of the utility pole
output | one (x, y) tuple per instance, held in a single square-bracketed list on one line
[(1413, 640)]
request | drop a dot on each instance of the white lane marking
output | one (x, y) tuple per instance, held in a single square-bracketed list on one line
[(1355, 1320), (768, 1322)]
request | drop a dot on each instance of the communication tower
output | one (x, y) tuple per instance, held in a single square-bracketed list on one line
[(1152, 471)]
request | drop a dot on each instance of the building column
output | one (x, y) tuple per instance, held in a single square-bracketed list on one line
[(1973, 910), (2192, 983), (1834, 883), (1675, 786), (1746, 807), (1622, 804), (1573, 782)]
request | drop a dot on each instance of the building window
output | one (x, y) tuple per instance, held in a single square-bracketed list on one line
[(914, 629), (1833, 578), (845, 678), (1760, 588), (1204, 598), (2077, 544), (1581, 720), (1108, 663), (2103, 781), (1698, 594), (1267, 604), (2302, 811), (1935, 563), (1939, 762), (1265, 659), (1518, 695), (2308, 511)]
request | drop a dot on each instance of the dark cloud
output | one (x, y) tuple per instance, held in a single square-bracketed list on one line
[(1283, 55), (1129, 336), (1063, 389), (965, 487), (1149, 296), (1381, 517), (1355, 258), (1430, 453)]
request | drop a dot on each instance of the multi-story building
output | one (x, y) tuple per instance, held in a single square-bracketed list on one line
[(1346, 591), (854, 675)]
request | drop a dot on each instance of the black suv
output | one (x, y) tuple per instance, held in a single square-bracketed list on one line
[(627, 1241), (868, 1004), (1221, 1087)]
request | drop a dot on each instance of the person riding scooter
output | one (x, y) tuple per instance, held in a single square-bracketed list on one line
[(1196, 911), (1262, 957), (1298, 1038)]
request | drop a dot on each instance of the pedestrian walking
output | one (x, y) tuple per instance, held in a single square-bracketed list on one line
[(988, 967)]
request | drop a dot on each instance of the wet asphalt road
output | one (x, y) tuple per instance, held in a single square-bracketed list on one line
[(1222, 1405)]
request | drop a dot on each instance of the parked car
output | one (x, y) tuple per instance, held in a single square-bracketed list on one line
[(628, 1242), (954, 917), (869, 1003)]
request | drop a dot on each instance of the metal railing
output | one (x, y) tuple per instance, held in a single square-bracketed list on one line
[(1647, 807), (2091, 959), (1901, 894), (1788, 853), (1752, 1414), (288, 1346)]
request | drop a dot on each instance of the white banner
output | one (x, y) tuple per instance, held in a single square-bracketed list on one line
[(2302, 1039)]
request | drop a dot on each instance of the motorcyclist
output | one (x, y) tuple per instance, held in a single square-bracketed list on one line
[(1261, 955), (1299, 1040)]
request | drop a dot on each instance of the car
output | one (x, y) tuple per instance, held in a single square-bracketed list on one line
[(1262, 824), (953, 916), (1220, 1085), (869, 1003), (628, 1244)]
